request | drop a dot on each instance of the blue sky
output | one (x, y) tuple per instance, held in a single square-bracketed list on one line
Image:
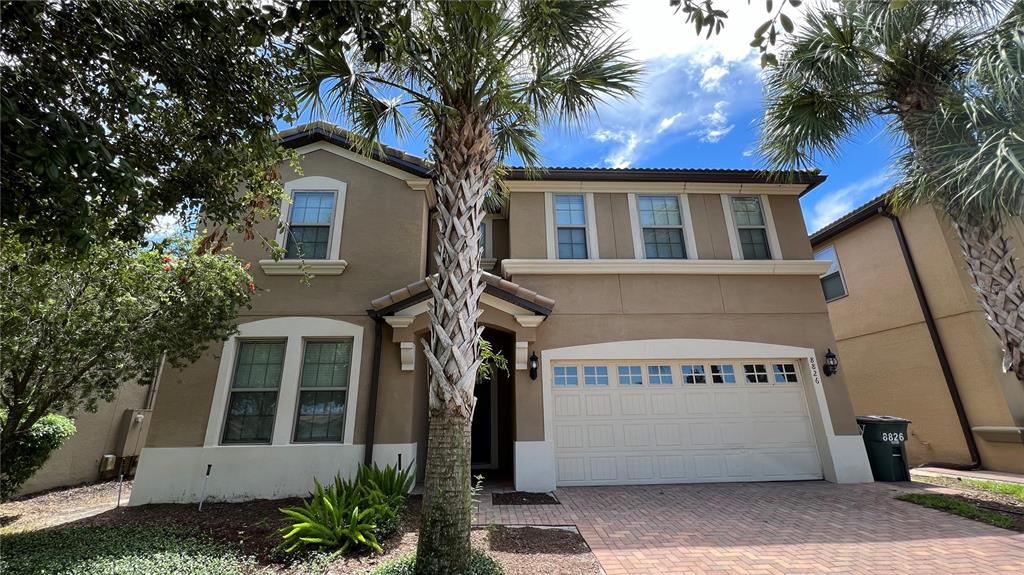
[(699, 107)]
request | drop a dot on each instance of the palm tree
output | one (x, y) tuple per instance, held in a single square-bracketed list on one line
[(946, 75), (481, 78)]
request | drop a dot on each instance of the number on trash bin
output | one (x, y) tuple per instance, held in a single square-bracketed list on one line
[(892, 437)]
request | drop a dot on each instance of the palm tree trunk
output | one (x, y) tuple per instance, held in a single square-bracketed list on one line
[(464, 155), (1000, 287)]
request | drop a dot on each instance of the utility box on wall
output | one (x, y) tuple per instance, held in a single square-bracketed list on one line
[(134, 427)]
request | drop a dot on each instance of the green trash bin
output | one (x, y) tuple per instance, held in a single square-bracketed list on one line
[(884, 439)]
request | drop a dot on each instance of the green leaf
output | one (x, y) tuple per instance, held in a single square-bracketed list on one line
[(787, 24)]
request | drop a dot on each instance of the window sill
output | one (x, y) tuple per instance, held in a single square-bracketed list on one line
[(301, 267), (677, 267)]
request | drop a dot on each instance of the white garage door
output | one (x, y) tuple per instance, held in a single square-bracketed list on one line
[(680, 421)]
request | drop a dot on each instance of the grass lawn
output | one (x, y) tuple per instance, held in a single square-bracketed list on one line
[(1015, 490), (958, 506)]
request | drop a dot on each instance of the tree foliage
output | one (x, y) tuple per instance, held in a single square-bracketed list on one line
[(117, 111), (25, 456), (75, 329)]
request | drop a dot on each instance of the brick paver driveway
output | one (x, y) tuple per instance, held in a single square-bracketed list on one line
[(769, 528)]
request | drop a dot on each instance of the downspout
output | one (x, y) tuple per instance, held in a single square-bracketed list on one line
[(371, 419), (940, 351)]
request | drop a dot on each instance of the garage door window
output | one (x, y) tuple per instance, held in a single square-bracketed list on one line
[(630, 375), (723, 373), (694, 374), (784, 372), (659, 374), (566, 376), (756, 372), (595, 375)]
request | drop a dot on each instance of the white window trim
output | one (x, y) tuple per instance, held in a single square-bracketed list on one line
[(591, 226), (487, 260), (333, 264), (839, 270), (689, 238), (734, 235), (294, 330)]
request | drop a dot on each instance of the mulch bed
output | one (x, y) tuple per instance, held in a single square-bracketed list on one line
[(523, 498), (253, 527)]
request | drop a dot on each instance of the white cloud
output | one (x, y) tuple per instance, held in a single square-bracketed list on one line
[(624, 154), (835, 204), (666, 123), (714, 126), (712, 78)]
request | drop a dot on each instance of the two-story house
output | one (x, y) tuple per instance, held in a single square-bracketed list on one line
[(661, 325), (913, 339)]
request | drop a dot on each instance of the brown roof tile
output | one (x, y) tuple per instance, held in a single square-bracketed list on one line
[(502, 284)]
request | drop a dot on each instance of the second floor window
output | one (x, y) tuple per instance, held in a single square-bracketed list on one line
[(751, 228), (832, 280), (309, 227), (571, 227), (662, 225)]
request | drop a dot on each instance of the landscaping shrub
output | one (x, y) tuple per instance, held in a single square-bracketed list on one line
[(119, 551), (349, 515), (481, 564), (26, 454)]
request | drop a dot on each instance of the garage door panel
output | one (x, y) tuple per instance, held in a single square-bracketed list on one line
[(567, 405), (685, 428), (602, 435), (632, 404), (599, 405), (699, 403)]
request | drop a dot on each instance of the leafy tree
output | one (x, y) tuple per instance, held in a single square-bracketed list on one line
[(947, 75), (113, 112), (481, 78), (707, 14), (75, 329), (22, 458)]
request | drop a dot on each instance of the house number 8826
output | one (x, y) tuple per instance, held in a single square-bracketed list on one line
[(892, 437)]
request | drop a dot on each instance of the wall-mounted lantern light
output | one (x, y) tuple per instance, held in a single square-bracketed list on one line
[(533, 365), (831, 363)]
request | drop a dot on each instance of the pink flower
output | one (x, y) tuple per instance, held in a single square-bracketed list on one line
[(167, 268), (252, 287)]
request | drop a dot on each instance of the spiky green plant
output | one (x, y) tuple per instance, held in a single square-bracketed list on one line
[(332, 518)]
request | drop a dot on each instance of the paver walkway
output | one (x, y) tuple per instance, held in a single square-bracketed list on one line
[(768, 529)]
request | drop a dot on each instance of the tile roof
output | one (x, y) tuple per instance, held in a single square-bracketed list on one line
[(493, 282), (315, 131)]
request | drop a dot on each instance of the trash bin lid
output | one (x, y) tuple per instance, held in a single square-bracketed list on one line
[(881, 419)]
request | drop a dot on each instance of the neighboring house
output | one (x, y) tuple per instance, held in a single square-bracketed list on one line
[(675, 316), (103, 441), (891, 352)]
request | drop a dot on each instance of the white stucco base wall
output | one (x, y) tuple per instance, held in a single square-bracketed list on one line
[(401, 454), (239, 472), (535, 466), (849, 460)]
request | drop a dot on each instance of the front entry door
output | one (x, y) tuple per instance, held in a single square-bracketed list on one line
[(483, 426)]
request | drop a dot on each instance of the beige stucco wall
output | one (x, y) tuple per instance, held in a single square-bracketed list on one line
[(528, 234), (384, 242), (887, 353), (784, 310), (97, 434)]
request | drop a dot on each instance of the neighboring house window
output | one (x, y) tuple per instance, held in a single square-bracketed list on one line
[(751, 227), (309, 227), (571, 227), (722, 373), (832, 282), (323, 389), (661, 223), (630, 375), (254, 388), (659, 374), (694, 374), (566, 376), (595, 375)]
